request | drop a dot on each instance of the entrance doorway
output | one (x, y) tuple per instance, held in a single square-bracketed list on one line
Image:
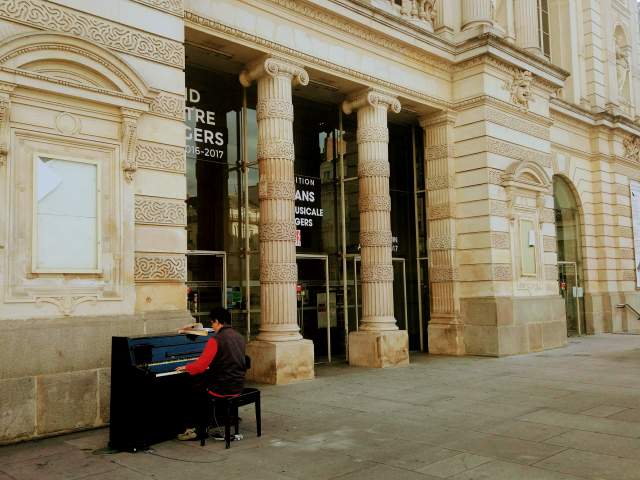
[(569, 247)]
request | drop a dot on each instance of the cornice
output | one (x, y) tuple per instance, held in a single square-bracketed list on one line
[(590, 119), (197, 21), (48, 16)]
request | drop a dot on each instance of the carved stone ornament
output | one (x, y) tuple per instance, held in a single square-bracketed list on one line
[(277, 232), (4, 130), (48, 16), (520, 88), (160, 157), (372, 98), (274, 67), (632, 149), (67, 303), (376, 273), (155, 211), (374, 168), (420, 10), (276, 190), (129, 141), (160, 268), (278, 272)]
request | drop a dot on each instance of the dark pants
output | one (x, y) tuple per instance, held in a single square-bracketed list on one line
[(198, 403)]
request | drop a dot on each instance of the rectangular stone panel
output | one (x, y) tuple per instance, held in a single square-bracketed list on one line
[(17, 408), (66, 401)]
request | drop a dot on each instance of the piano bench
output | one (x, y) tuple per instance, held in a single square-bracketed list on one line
[(229, 405)]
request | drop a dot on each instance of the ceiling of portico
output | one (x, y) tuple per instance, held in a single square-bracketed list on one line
[(206, 51)]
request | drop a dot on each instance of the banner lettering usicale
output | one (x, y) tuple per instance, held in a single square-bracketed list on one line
[(635, 216), (308, 211), (205, 136)]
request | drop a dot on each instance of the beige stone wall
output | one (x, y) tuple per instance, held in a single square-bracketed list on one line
[(98, 81)]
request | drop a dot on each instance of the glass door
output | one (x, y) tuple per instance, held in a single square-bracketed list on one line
[(572, 292)]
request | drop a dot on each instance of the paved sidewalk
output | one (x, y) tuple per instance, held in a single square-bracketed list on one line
[(571, 413)]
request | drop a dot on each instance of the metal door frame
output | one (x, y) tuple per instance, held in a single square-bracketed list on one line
[(325, 258), (577, 299)]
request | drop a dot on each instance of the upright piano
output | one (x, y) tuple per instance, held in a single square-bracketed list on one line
[(146, 392)]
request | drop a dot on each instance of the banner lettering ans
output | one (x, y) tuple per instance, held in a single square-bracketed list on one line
[(308, 212), (206, 134), (635, 216)]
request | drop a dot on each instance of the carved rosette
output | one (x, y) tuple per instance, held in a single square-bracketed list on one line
[(374, 204), (276, 191)]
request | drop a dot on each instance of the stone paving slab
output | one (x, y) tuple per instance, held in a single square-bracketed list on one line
[(567, 414)]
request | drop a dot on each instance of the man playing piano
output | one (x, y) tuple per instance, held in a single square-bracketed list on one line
[(219, 371)]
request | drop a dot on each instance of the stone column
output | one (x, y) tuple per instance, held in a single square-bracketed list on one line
[(445, 325), (378, 343), (527, 28), (279, 354), (477, 12)]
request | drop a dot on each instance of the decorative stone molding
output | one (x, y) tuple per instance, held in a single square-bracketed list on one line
[(129, 142), (632, 148), (375, 239), (374, 168), (67, 303), (440, 182), (278, 232), (507, 149), (498, 208), (155, 211), (516, 123), (502, 272), (626, 253), (174, 7), (67, 123), (494, 176), (274, 108), (374, 203), (48, 16), (547, 215), (278, 272), (168, 105), (500, 240), (376, 273), (441, 242), (160, 157), (373, 133), (436, 152), (160, 268), (443, 274), (626, 232), (282, 149), (628, 276), (277, 189), (520, 89)]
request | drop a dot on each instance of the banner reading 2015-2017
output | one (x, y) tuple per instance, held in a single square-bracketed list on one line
[(635, 215)]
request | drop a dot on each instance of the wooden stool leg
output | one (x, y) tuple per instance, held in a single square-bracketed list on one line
[(258, 416)]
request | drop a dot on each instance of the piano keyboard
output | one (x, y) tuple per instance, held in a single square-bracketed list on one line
[(165, 374)]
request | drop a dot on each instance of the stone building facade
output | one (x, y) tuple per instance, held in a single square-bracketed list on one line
[(358, 179)]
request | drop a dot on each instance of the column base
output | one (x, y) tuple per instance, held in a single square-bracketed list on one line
[(379, 349), (280, 362), (446, 339)]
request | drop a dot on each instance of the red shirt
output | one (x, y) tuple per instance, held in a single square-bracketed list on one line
[(205, 359)]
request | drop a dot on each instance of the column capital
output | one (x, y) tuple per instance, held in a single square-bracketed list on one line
[(370, 97), (274, 67), (439, 118)]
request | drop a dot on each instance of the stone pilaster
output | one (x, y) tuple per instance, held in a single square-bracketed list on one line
[(526, 20), (445, 326), (378, 343), (279, 354), (477, 12)]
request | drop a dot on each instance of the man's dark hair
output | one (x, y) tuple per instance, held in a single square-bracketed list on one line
[(221, 314)]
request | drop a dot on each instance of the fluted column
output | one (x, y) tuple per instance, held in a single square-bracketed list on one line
[(477, 12), (527, 29), (276, 191), (375, 233)]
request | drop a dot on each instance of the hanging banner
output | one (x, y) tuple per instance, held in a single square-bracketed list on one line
[(635, 216), (206, 133)]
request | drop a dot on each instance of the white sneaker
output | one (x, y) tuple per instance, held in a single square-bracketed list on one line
[(188, 434)]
